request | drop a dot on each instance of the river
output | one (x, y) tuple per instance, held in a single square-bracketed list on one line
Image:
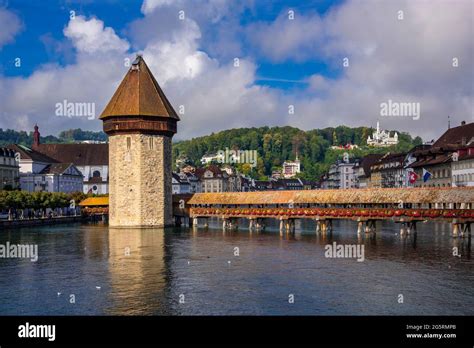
[(89, 269)]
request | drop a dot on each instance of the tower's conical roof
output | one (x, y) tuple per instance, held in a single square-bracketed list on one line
[(139, 95)]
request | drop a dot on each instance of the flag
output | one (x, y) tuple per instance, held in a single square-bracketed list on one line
[(412, 177), (426, 175)]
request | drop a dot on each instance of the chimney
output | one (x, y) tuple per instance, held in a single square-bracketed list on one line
[(463, 123), (36, 137)]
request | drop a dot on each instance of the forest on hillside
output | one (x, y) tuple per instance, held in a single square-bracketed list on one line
[(10, 136), (276, 144)]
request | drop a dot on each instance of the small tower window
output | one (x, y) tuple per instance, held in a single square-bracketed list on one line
[(129, 143), (150, 142)]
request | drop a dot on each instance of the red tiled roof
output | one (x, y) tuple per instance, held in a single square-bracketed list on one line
[(27, 153), (79, 154), (455, 135)]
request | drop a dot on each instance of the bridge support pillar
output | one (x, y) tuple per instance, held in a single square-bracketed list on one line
[(465, 230), (318, 226), (195, 221), (411, 227), (235, 223), (291, 225), (360, 226), (329, 225), (251, 224), (325, 225), (370, 226), (455, 228), (206, 222), (177, 221)]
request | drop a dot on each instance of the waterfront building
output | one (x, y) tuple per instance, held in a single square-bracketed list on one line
[(213, 179), (194, 182), (388, 171), (382, 138), (340, 175), (9, 169), (180, 184), (39, 172), (462, 167), (324, 181), (282, 184), (434, 164), (362, 170), (90, 158), (140, 123)]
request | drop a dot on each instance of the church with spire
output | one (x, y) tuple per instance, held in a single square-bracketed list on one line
[(382, 138)]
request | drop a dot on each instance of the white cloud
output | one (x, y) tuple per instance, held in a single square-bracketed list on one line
[(149, 6), (10, 25), (407, 60), (215, 96), (98, 69), (284, 38), (90, 36)]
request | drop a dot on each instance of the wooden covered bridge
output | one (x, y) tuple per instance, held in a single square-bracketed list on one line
[(405, 206)]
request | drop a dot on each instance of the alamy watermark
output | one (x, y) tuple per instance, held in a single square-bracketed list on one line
[(22, 251), (37, 331), (400, 109), (70, 109), (237, 156), (348, 251)]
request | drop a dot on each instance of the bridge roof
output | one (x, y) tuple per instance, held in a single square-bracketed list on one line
[(95, 201), (349, 196)]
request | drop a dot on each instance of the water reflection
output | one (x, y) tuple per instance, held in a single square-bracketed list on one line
[(137, 271)]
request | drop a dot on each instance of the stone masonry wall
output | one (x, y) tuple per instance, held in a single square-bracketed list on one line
[(140, 181)]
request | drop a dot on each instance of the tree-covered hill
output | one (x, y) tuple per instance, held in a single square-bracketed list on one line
[(10, 136), (277, 144)]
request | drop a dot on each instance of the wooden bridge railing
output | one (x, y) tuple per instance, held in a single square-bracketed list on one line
[(339, 213)]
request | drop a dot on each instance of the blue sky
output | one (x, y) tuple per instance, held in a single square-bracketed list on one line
[(283, 61), (43, 24)]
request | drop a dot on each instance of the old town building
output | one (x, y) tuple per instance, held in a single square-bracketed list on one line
[(389, 171), (91, 159), (39, 172), (9, 169)]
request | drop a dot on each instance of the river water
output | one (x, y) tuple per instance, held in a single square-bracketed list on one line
[(87, 269)]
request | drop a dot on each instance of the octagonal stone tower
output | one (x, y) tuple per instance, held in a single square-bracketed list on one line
[(140, 123)]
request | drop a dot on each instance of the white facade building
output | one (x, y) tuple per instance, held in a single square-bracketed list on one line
[(462, 168), (38, 172), (382, 138), (57, 177), (291, 168), (9, 169)]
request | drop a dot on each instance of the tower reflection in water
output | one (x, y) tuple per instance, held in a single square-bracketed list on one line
[(138, 272)]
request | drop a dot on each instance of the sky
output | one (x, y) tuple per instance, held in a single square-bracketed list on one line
[(228, 64)]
